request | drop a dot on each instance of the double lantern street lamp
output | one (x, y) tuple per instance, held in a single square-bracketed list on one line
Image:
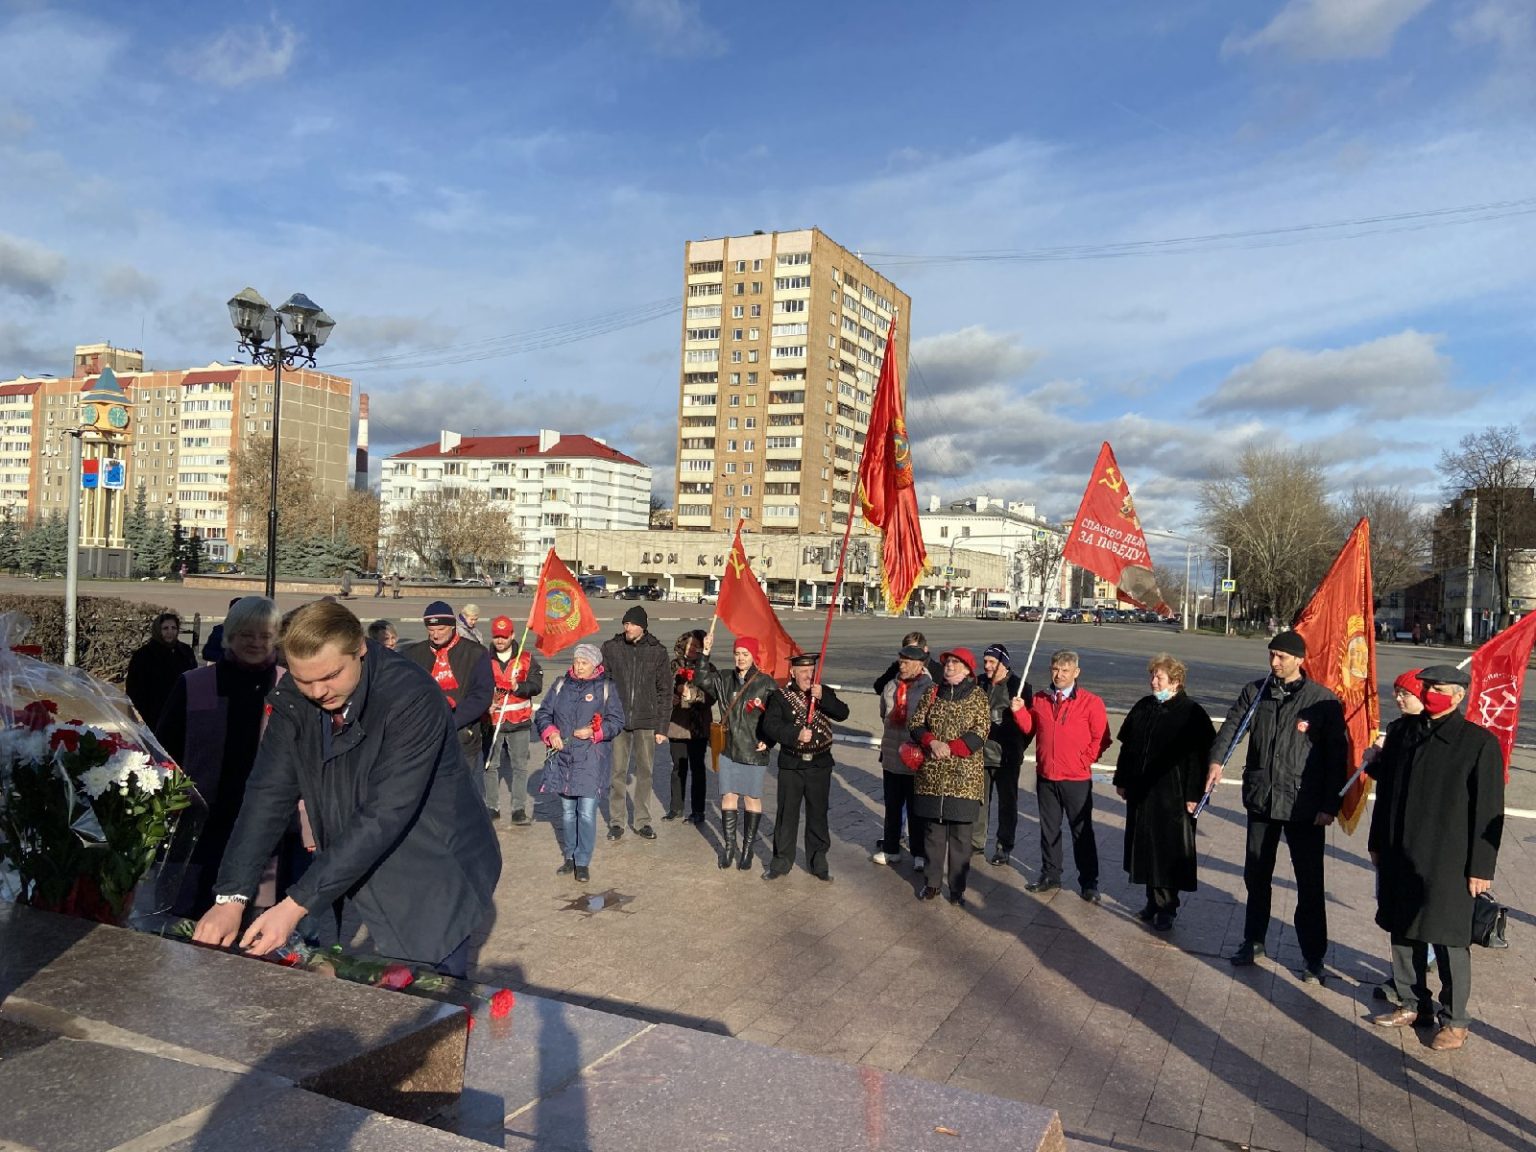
[(261, 331)]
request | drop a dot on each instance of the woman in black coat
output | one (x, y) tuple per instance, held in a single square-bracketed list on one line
[(1165, 748)]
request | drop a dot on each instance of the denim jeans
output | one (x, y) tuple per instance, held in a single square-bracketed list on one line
[(580, 823), (513, 768)]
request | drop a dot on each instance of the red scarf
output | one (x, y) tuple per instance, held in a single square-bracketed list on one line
[(442, 671), (899, 705)]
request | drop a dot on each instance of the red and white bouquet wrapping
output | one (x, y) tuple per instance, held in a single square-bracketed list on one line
[(89, 800)]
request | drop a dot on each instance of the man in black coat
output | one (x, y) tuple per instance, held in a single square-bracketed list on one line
[(1298, 761), (366, 740), (1003, 754), (1435, 835), (462, 670), (154, 669), (797, 720), (641, 667)]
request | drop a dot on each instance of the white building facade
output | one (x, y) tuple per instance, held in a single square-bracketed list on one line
[(549, 482)]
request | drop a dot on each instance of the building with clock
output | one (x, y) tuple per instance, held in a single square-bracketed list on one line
[(175, 432)]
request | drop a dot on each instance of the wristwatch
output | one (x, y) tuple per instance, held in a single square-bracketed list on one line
[(236, 899)]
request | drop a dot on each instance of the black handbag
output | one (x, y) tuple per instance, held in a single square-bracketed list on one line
[(1489, 919)]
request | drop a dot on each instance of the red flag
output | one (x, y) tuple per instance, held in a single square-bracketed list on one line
[(1337, 624), (1498, 678), (885, 487), (746, 612), (560, 614), (1107, 539)]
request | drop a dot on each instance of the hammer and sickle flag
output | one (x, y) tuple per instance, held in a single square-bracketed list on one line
[(745, 610), (1498, 681), (560, 615), (886, 490), (1338, 626), (1107, 538)]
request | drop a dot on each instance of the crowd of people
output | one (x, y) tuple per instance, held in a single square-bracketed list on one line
[(416, 744)]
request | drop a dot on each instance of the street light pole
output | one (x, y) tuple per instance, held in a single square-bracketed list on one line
[(261, 328)]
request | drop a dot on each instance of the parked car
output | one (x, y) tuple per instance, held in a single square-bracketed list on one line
[(639, 592), (1028, 615)]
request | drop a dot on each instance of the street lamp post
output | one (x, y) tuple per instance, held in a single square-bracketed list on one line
[(261, 329)]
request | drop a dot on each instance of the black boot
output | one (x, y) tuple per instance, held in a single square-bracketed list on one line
[(728, 822), (748, 838)]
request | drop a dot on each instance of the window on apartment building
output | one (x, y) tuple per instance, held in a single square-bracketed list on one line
[(741, 266), (747, 466), (757, 265), (757, 287), (736, 401), (735, 357), (751, 421), (751, 400), (735, 377), (735, 333), (752, 356), (736, 310), (730, 445), (730, 467), (730, 490), (757, 310), (746, 489), (738, 289), (730, 422)]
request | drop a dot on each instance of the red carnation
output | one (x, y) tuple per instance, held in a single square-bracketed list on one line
[(469, 1024), (67, 738), (396, 976), (501, 1003), (688, 674), (37, 715)]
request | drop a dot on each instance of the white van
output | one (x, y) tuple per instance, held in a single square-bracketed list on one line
[(999, 606)]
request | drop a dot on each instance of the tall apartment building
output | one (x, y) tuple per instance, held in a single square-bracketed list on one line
[(783, 337), (549, 482), (186, 422)]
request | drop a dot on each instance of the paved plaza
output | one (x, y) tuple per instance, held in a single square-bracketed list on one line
[(1137, 1038)]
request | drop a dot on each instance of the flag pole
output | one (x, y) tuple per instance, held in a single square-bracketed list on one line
[(1040, 626)]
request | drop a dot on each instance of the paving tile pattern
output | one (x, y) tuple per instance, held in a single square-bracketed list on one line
[(1138, 1039)]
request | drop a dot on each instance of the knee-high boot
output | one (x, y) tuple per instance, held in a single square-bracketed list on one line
[(748, 839), (728, 822)]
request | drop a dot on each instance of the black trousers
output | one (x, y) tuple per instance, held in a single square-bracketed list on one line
[(1163, 899), (898, 798), (1410, 977), (1074, 799), (688, 758), (948, 846), (1305, 841), (802, 782), (1003, 795)]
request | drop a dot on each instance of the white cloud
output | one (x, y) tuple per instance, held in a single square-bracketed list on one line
[(243, 54), (1508, 25), (125, 284), (969, 358), (29, 270), (1331, 29), (1375, 376), (673, 27)]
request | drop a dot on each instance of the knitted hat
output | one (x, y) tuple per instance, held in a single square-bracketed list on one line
[(1291, 643), (999, 653), (589, 652), (1409, 682), (750, 644), (438, 612), (636, 615), (503, 626)]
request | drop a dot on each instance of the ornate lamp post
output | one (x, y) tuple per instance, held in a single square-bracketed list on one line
[(261, 331)]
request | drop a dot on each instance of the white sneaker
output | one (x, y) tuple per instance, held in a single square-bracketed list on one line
[(886, 858), (919, 864)]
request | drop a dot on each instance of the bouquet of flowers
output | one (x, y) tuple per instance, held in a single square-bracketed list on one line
[(88, 803)]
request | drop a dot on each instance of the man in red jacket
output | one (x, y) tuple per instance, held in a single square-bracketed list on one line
[(1071, 731)]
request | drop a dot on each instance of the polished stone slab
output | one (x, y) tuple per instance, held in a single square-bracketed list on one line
[(379, 1050), (539, 1048), (688, 1091)]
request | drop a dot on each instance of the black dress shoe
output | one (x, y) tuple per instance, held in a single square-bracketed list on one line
[(1147, 914), (494, 814), (520, 817), (957, 901), (1091, 895), (615, 831), (1313, 973), (770, 874), (825, 876), (696, 818), (928, 894), (671, 815), (1247, 954), (566, 868), (999, 858), (582, 875), (646, 832), (1042, 885), (1163, 922)]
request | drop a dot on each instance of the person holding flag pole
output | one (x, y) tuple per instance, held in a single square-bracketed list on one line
[(519, 678)]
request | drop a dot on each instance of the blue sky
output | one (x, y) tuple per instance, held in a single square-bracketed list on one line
[(446, 180)]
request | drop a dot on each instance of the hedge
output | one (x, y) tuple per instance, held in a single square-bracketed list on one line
[(108, 630)]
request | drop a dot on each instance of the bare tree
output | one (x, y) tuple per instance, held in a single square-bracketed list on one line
[(1400, 534), (1496, 466), (1273, 512), (454, 530), (1042, 556), (300, 510)]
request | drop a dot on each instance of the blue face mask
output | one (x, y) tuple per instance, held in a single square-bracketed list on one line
[(1163, 695)]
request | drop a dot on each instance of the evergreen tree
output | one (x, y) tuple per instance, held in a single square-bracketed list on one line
[(157, 547), (10, 540), (178, 545), (194, 553), (44, 546), (136, 527)]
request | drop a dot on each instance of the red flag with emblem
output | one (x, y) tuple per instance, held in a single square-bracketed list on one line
[(1498, 679), (1338, 626), (744, 609), (885, 487), (560, 615), (1107, 539)]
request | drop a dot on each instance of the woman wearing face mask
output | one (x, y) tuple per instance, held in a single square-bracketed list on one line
[(1165, 746)]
